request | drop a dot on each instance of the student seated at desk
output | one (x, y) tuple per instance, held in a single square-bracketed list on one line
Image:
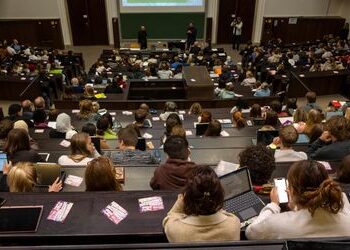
[(169, 108), (263, 90), (82, 151), (197, 214), (128, 154), (22, 178), (140, 119), (271, 121), (311, 102), (91, 130), (23, 125), (226, 93), (318, 207), (114, 87), (164, 72), (205, 117), (172, 175), (40, 119), (15, 114), (5, 127), (100, 175), (334, 143), (18, 149), (343, 171), (104, 129), (260, 162), (238, 120), (196, 109), (255, 111), (64, 128), (86, 111), (172, 121), (249, 80), (288, 136), (214, 128)]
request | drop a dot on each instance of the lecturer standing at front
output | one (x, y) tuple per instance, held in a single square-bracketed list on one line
[(142, 37), (191, 35), (236, 25)]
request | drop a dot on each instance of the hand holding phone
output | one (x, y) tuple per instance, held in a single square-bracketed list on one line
[(281, 186)]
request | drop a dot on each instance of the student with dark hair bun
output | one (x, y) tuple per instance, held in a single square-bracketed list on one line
[(197, 214), (318, 207)]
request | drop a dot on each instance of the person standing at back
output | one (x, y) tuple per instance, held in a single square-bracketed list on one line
[(142, 37), (191, 35), (236, 25)]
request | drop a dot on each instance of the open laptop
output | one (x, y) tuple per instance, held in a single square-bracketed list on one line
[(20, 219), (329, 115), (265, 137), (201, 128), (47, 173), (240, 198), (302, 139)]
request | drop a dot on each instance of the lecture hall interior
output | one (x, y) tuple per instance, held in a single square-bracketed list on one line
[(174, 124)]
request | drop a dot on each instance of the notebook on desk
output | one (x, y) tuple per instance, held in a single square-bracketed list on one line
[(240, 198)]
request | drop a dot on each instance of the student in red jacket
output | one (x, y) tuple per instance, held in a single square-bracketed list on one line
[(172, 175)]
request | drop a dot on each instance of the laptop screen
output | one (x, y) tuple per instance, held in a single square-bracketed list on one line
[(236, 183), (20, 219), (266, 137)]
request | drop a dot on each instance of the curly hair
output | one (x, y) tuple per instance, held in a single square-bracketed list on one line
[(339, 127), (260, 162)]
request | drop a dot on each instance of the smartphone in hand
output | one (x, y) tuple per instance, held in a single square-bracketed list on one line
[(281, 185)]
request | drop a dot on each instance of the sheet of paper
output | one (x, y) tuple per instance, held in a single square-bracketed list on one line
[(60, 211), (38, 131), (224, 133), (326, 165), (181, 117), (65, 143), (147, 136), (155, 119), (182, 112), (286, 120), (127, 113), (73, 180), (115, 212), (113, 113), (75, 111), (150, 204), (189, 132), (52, 125), (225, 167)]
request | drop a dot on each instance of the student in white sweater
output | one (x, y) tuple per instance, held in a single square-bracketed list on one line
[(288, 135), (82, 151), (318, 207)]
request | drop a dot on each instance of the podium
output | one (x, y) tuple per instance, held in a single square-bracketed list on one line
[(199, 85)]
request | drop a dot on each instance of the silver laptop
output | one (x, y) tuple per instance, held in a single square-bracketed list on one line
[(240, 198)]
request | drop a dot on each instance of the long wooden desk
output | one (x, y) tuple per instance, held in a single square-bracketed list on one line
[(85, 222)]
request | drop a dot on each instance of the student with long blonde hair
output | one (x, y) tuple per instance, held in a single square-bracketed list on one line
[(82, 151), (22, 178)]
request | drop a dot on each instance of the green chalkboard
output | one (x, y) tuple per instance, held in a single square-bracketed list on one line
[(161, 25)]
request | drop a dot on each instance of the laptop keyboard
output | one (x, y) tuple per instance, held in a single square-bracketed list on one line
[(241, 202)]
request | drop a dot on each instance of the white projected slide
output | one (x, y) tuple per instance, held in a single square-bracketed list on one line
[(171, 6), (160, 3)]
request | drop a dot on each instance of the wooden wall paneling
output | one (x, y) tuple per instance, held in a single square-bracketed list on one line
[(209, 29), (306, 28), (116, 33)]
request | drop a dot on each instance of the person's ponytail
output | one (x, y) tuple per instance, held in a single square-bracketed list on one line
[(328, 196)]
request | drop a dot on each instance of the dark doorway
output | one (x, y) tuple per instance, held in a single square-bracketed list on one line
[(88, 22), (242, 8)]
